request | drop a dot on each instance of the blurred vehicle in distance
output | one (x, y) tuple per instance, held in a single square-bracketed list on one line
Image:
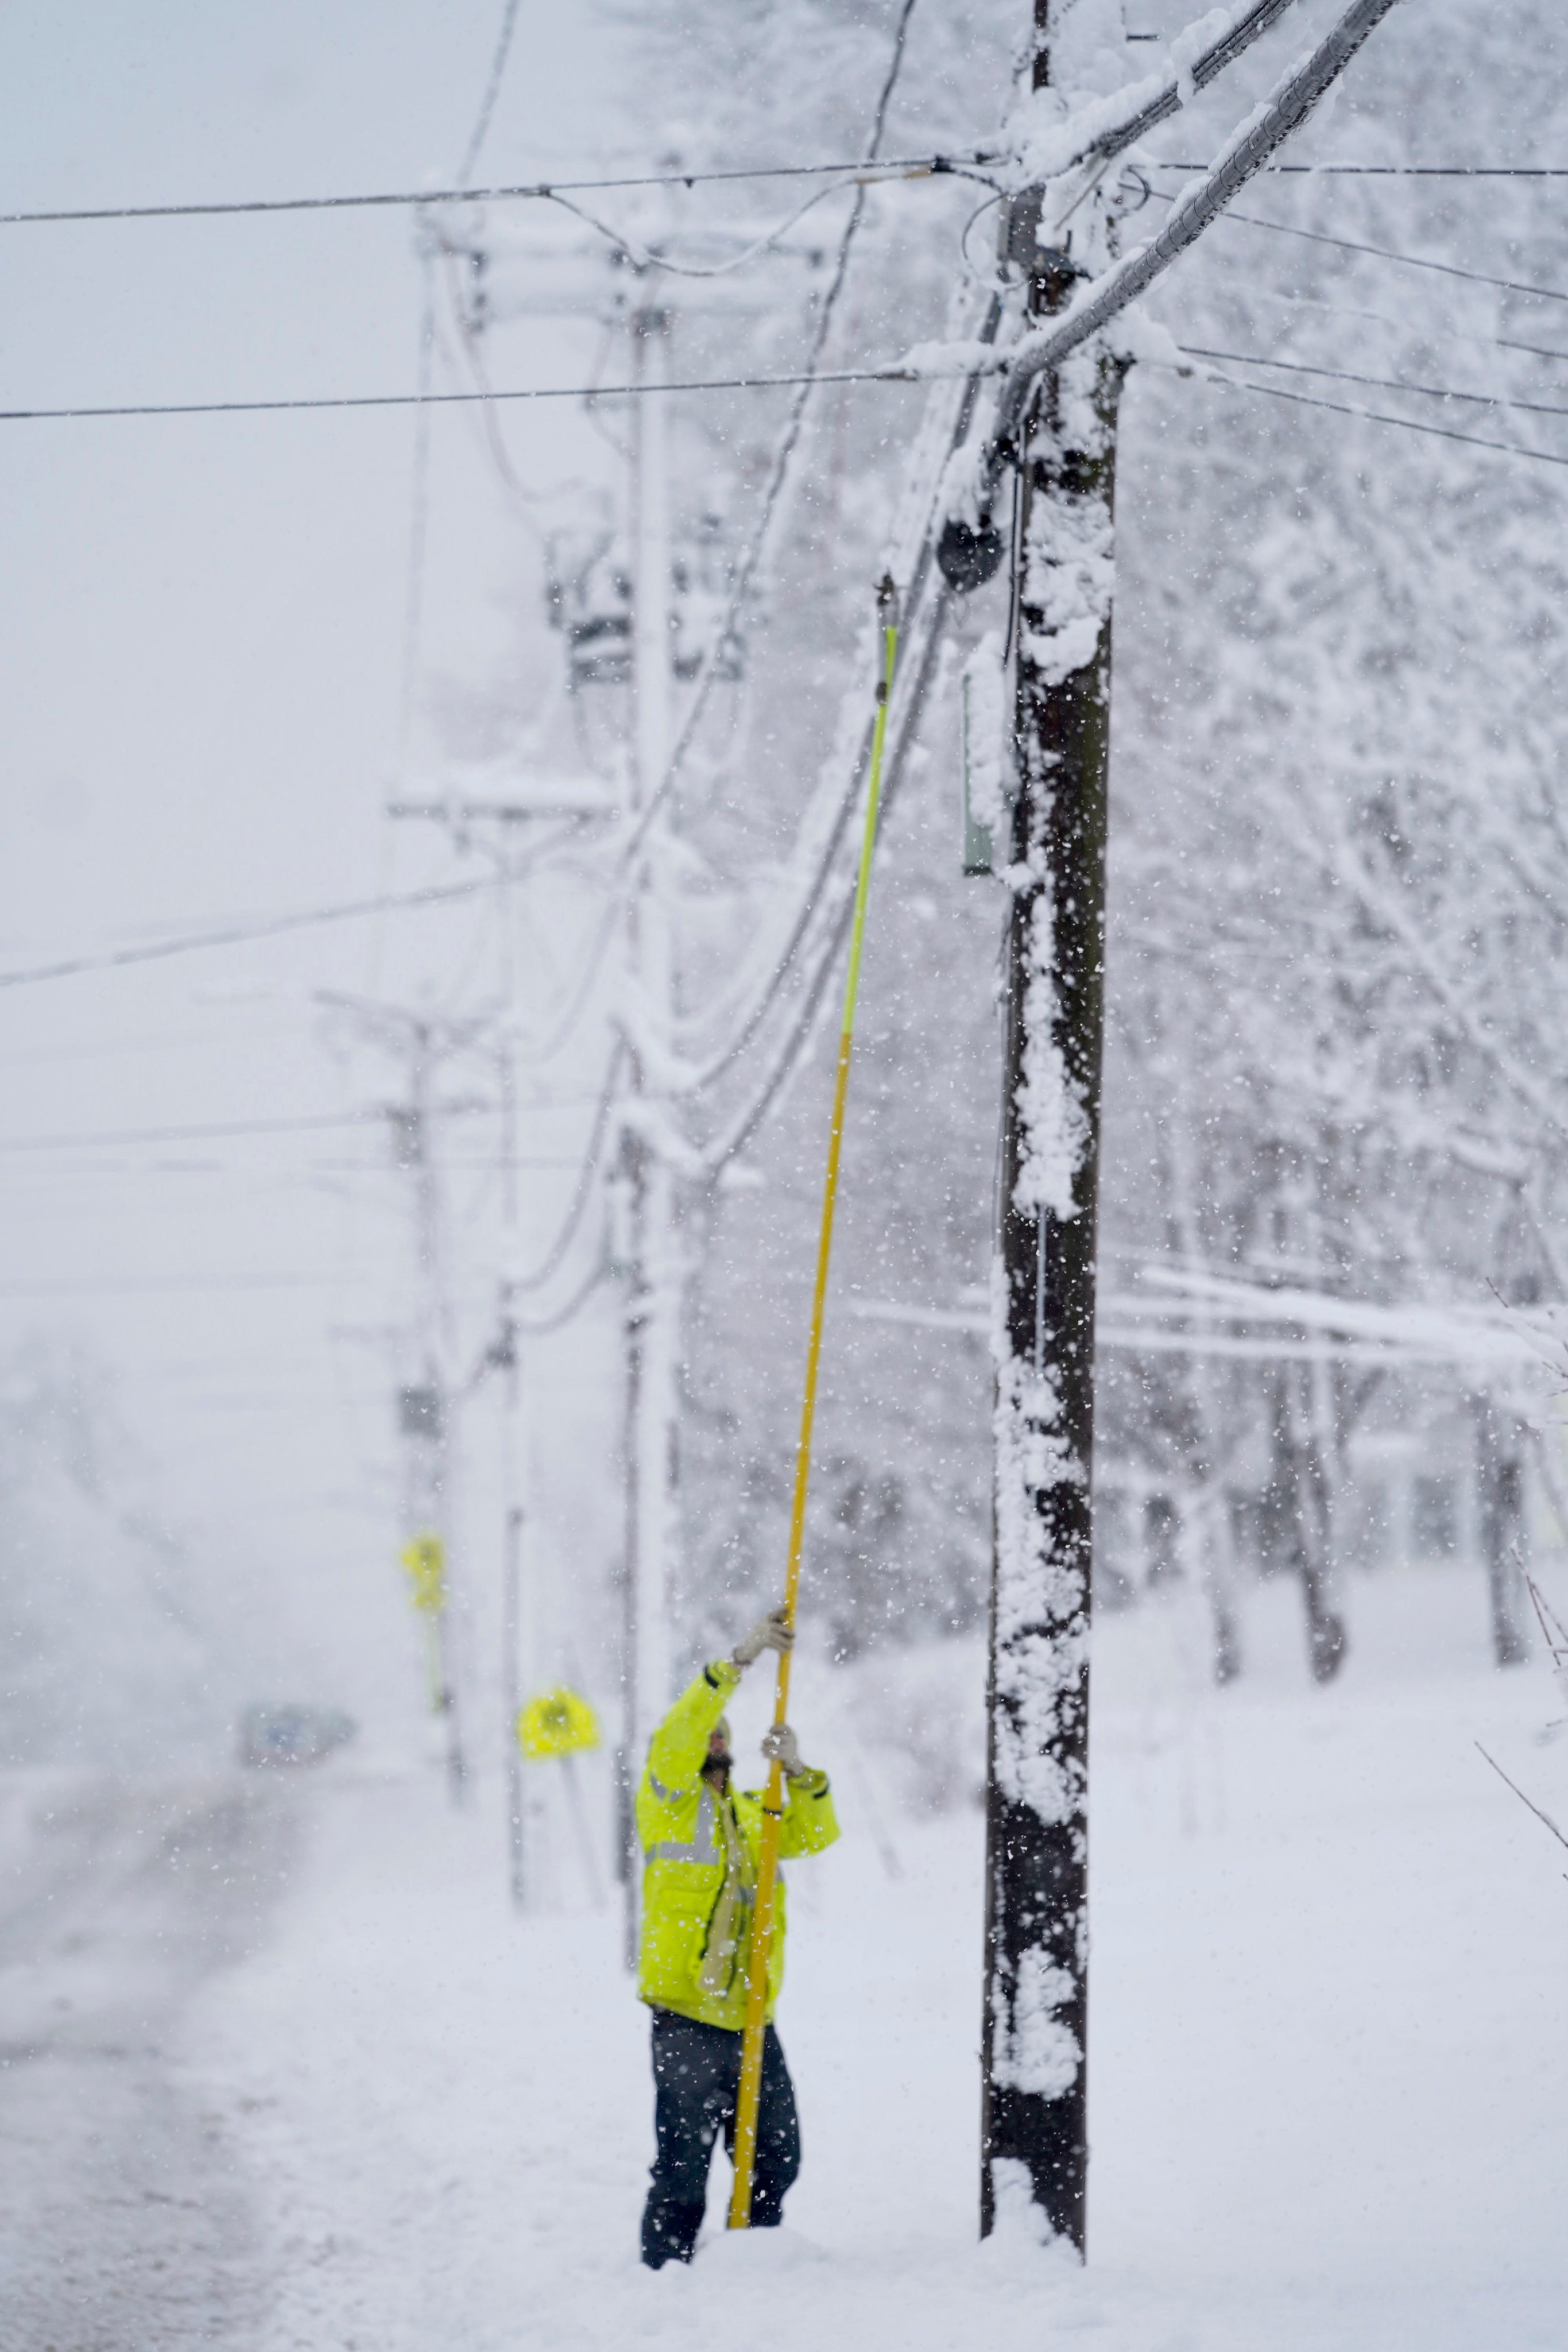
[(293, 1735)]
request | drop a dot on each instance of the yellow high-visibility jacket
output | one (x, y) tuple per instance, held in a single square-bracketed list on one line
[(700, 1872)]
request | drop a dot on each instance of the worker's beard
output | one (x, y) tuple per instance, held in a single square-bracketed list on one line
[(716, 1769)]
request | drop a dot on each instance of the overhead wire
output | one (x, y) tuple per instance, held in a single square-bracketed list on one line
[(1407, 260), (413, 608), (564, 1313), (492, 92), (746, 571), (188, 1134), (814, 996), (893, 374), (1386, 253), (645, 257), (1393, 171), (913, 680), (933, 166), (1292, 103), (414, 601), (1452, 329), (240, 934), (1383, 382), (555, 1254), (783, 456), (1376, 417)]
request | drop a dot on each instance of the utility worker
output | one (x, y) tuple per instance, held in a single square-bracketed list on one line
[(702, 1840)]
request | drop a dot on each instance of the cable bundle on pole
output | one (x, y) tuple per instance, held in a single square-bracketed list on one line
[(749, 2093)]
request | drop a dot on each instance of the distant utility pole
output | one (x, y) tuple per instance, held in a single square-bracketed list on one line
[(505, 1355), (424, 1402), (655, 1260), (1035, 2026)]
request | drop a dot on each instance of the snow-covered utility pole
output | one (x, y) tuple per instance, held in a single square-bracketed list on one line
[(505, 1355), (425, 1398), (1035, 1996), (656, 1284), (424, 1406), (1053, 424)]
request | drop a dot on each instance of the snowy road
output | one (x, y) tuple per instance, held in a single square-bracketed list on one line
[(1328, 2083), (123, 2223)]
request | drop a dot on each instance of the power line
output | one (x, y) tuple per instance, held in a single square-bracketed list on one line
[(456, 399), (784, 454), (1409, 260), (238, 934), (122, 1173), (537, 191), (91, 1286), (1397, 171), (1406, 424), (492, 89), (187, 1134), (555, 1255), (1383, 382), (564, 1313), (1386, 253)]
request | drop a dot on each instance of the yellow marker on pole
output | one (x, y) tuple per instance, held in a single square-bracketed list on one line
[(749, 2093), (424, 1562)]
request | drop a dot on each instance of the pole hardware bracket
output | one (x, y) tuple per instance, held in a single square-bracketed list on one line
[(968, 554)]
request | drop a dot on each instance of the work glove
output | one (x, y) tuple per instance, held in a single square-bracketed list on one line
[(771, 1632), (781, 1747)]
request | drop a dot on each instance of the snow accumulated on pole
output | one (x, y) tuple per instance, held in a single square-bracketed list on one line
[(1037, 1869), (1055, 422), (1034, 2151)]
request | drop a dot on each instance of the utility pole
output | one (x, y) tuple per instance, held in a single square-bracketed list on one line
[(505, 1355), (656, 1277), (426, 1396), (424, 1407), (1035, 2026)]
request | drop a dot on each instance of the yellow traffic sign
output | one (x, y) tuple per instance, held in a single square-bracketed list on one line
[(426, 1562), (557, 1722)]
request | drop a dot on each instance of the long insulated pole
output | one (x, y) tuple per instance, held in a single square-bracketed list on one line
[(751, 2090)]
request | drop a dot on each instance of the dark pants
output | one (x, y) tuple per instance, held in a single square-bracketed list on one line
[(697, 2072)]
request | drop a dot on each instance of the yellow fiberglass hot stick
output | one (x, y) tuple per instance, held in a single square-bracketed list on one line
[(749, 2093)]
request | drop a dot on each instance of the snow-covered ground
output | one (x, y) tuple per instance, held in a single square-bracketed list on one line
[(125, 2218), (1329, 2062), (1329, 2058)]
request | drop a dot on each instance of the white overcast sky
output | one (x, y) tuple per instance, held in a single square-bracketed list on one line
[(204, 620)]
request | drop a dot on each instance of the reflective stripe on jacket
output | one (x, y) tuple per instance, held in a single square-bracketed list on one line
[(700, 1870)]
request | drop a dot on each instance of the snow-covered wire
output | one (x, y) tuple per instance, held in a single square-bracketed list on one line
[(645, 257), (564, 1313), (1292, 101), (782, 457), (492, 92), (1376, 417), (582, 988), (1381, 383), (891, 167), (583, 1188), (1109, 126), (738, 1132), (419, 521), (1523, 1799), (950, 416), (239, 934), (1392, 252), (898, 372), (1240, 159)]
